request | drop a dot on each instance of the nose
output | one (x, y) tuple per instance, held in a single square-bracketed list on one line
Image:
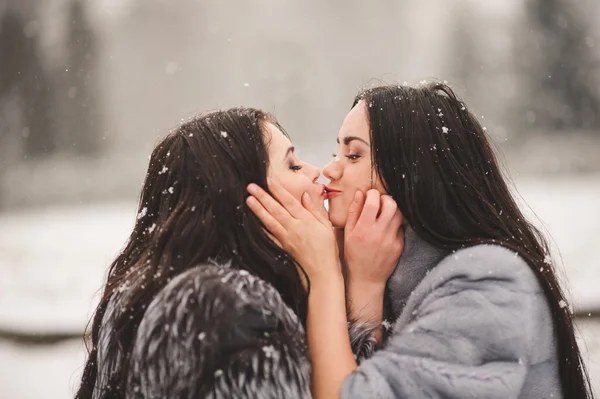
[(332, 170), (312, 172)]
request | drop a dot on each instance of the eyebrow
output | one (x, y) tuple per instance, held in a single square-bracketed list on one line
[(288, 152), (349, 139)]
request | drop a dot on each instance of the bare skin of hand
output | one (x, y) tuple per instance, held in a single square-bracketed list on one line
[(302, 229), (373, 242), (373, 238), (306, 233), (308, 236)]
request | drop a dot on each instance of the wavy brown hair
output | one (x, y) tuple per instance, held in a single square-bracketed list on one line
[(436, 161), (191, 210)]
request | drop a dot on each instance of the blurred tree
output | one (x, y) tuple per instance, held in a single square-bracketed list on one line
[(82, 121), (22, 71), (564, 94)]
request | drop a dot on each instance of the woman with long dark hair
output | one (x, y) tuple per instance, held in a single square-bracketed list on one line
[(477, 306), (179, 315)]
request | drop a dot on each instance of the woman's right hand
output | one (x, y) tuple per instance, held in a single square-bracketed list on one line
[(373, 239)]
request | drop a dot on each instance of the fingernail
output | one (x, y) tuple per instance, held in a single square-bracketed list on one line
[(307, 198), (252, 188), (251, 201)]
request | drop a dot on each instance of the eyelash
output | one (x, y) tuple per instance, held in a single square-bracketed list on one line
[(352, 157), (295, 168)]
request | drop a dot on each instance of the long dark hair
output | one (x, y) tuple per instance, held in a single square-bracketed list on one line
[(435, 159), (191, 210)]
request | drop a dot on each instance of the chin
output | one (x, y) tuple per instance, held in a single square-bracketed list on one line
[(337, 220)]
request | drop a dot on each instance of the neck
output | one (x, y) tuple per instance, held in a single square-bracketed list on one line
[(417, 259)]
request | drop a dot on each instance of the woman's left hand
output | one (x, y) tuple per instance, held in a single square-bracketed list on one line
[(306, 233), (301, 228)]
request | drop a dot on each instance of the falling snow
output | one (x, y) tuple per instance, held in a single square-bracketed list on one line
[(171, 68), (269, 350), (101, 229), (562, 304), (547, 259), (142, 213)]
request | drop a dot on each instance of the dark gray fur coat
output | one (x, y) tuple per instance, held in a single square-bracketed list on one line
[(214, 332)]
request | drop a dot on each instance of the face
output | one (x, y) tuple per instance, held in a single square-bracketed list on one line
[(351, 168), (294, 175)]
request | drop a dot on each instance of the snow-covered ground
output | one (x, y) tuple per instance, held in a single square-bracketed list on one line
[(567, 210), (40, 372), (53, 261)]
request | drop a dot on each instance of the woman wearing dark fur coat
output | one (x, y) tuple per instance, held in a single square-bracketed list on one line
[(173, 320)]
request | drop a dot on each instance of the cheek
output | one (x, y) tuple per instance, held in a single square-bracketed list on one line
[(358, 177), (296, 185), (379, 187), (338, 210)]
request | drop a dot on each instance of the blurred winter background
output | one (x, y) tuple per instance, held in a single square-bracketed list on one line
[(86, 87)]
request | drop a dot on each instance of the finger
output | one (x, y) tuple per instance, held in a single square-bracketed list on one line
[(266, 218), (387, 211), (354, 210), (315, 208), (370, 210), (396, 221), (274, 208), (291, 204)]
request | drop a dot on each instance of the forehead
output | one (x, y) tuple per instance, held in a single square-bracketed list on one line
[(356, 123), (277, 141)]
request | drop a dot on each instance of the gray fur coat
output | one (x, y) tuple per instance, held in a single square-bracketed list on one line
[(471, 324)]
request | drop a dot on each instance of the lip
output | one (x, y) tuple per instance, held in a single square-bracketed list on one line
[(330, 192)]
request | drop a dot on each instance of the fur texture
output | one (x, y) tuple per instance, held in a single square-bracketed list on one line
[(215, 332), (471, 324)]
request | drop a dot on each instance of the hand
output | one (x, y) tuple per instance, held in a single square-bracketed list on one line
[(302, 229), (373, 239)]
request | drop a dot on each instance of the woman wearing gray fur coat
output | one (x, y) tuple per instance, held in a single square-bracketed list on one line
[(437, 251)]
